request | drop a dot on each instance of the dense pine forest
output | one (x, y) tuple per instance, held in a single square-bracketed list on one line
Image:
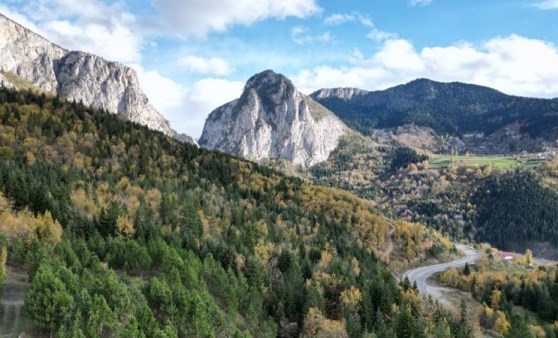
[(448, 108), (516, 208), (125, 232)]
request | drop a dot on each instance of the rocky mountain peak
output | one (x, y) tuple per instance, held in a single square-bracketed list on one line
[(27, 60), (341, 93), (270, 87), (266, 79), (272, 119)]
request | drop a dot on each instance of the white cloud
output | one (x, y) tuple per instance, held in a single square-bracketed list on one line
[(420, 2), (375, 34), (546, 4), (17, 17), (341, 18), (92, 26), (187, 107), (398, 55), (94, 10), (200, 17), (164, 93), (114, 43), (301, 36), (513, 64), (213, 65), (203, 97), (338, 19), (379, 35)]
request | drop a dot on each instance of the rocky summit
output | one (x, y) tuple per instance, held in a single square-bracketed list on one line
[(273, 120), (27, 60)]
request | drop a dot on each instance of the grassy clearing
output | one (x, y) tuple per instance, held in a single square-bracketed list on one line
[(317, 110), (21, 83), (499, 162)]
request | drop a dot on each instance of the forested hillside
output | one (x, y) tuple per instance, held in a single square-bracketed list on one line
[(519, 296), (516, 208), (125, 232), (510, 202), (448, 108)]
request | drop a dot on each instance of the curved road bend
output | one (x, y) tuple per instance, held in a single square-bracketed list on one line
[(421, 274)]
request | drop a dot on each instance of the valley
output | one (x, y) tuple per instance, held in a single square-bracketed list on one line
[(341, 213), (497, 187), (97, 217)]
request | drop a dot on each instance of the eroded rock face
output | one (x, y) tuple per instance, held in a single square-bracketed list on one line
[(272, 119), (342, 93), (76, 76)]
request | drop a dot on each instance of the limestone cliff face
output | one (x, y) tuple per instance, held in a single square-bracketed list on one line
[(26, 57), (272, 119), (341, 93)]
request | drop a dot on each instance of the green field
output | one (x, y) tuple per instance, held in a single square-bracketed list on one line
[(499, 162)]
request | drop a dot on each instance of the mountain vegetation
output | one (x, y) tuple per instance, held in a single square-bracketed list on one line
[(519, 300), (404, 156), (125, 232), (121, 230), (448, 108), (509, 202), (516, 208)]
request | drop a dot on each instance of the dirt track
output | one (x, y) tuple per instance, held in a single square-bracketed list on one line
[(12, 322)]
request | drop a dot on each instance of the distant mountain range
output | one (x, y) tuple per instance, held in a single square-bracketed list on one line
[(27, 60), (273, 120), (448, 108)]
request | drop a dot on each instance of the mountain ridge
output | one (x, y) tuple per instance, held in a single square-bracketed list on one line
[(448, 108), (75, 75)]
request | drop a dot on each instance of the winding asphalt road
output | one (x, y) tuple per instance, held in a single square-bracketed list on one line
[(420, 275)]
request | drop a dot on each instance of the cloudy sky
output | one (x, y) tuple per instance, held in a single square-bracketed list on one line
[(194, 55)]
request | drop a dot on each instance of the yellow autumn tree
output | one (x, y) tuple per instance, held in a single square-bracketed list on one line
[(316, 325), (351, 297), (487, 317), (124, 227), (496, 298), (3, 259), (48, 229), (15, 224), (528, 257), (451, 277), (263, 251), (82, 201), (501, 325)]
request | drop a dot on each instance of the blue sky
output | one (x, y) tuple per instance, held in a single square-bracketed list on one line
[(194, 55)]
